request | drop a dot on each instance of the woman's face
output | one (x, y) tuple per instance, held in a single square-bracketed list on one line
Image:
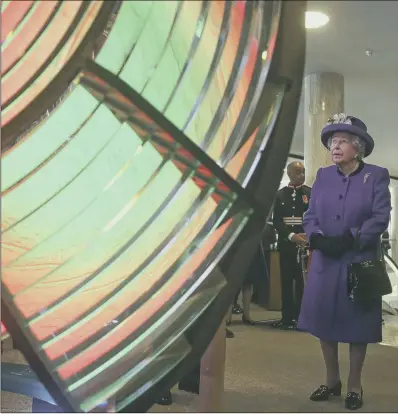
[(342, 149)]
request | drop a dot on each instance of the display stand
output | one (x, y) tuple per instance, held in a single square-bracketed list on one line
[(211, 391), (275, 288)]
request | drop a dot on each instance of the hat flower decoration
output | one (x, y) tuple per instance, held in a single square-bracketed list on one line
[(339, 119), (349, 124)]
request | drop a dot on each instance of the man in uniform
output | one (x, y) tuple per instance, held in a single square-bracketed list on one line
[(290, 204)]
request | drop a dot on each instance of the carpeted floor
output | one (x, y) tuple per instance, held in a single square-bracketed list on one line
[(269, 370), (14, 403)]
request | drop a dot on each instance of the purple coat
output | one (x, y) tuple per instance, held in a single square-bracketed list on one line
[(338, 203)]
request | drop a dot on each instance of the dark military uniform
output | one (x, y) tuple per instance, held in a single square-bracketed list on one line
[(290, 205)]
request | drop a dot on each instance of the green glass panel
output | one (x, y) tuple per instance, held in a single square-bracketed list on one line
[(124, 35), (60, 170), (91, 232), (87, 217), (164, 79), (155, 32), (109, 238), (43, 141), (113, 275)]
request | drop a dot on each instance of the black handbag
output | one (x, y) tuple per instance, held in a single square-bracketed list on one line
[(368, 280)]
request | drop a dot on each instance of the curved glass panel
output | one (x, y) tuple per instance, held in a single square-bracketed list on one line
[(13, 14), (392, 269), (42, 61), (3, 332), (119, 203)]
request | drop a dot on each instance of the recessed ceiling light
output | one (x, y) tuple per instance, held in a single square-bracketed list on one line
[(314, 19)]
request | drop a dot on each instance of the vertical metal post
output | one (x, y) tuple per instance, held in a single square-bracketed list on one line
[(212, 373)]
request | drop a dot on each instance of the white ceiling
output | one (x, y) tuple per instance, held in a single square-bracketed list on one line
[(371, 83)]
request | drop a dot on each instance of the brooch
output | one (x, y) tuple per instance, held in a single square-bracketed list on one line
[(305, 199), (365, 177)]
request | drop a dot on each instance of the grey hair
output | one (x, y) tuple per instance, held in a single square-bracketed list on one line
[(358, 143)]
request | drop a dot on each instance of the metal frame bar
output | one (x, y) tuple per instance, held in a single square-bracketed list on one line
[(21, 122), (288, 62), (104, 84), (25, 340)]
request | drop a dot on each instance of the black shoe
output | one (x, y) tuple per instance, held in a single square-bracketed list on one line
[(323, 392), (192, 387), (165, 400), (236, 309), (278, 324), (247, 321), (289, 326), (286, 326), (229, 334), (354, 401)]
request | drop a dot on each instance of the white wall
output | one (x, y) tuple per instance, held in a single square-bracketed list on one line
[(393, 228)]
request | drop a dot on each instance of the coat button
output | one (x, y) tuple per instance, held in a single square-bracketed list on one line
[(337, 217), (344, 180), (340, 196)]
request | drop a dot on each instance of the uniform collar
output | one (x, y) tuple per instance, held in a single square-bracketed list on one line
[(295, 187), (357, 171)]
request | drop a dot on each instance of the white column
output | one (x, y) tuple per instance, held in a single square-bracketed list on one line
[(394, 223), (323, 97)]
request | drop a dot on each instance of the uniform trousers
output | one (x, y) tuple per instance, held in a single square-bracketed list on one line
[(292, 282)]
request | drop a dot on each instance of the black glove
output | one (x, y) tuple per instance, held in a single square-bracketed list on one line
[(347, 240), (331, 246)]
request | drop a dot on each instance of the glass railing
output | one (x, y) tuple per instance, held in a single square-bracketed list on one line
[(392, 269), (151, 146)]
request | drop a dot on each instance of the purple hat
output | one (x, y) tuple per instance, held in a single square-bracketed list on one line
[(350, 124)]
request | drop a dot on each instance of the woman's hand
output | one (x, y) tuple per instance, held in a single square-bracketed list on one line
[(347, 239), (332, 246)]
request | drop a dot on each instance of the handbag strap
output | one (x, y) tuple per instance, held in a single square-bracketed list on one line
[(356, 240), (380, 252)]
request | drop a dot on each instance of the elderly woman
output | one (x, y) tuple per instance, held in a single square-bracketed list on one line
[(346, 197)]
